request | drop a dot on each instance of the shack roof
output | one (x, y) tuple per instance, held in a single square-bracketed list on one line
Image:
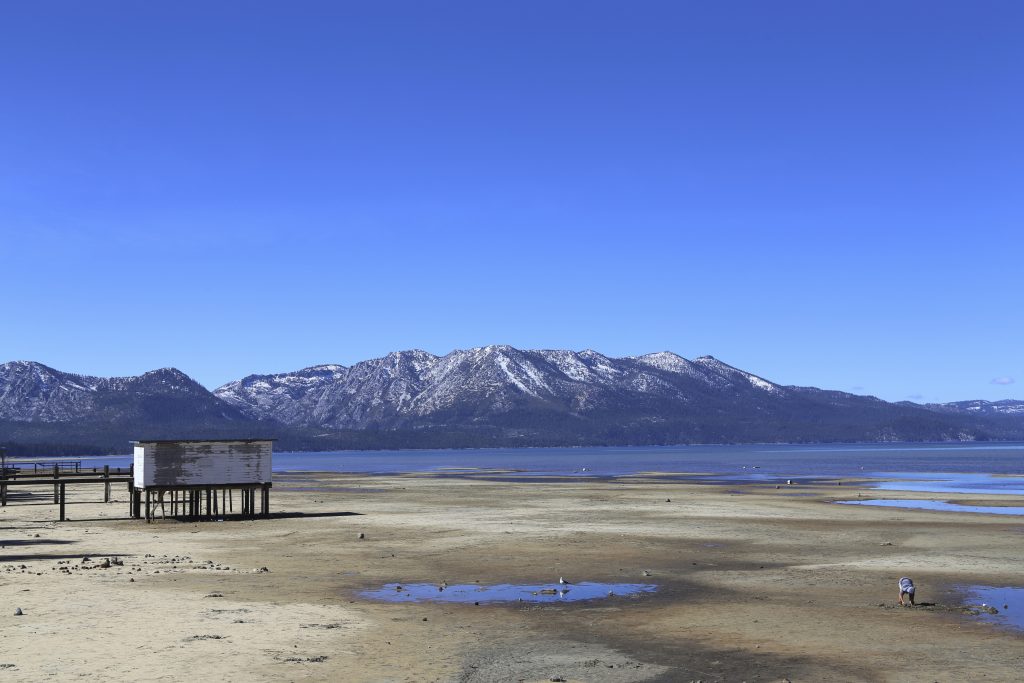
[(197, 440)]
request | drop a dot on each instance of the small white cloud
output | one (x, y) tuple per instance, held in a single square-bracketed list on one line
[(1003, 380)]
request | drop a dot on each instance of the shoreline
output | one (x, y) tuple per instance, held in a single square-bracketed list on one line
[(754, 583), (891, 445)]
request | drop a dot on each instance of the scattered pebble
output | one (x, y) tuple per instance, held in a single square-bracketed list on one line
[(18, 612)]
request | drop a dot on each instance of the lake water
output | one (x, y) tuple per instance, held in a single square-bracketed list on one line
[(945, 467), (1008, 600), (940, 505)]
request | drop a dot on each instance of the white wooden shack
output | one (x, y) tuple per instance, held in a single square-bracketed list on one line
[(180, 473)]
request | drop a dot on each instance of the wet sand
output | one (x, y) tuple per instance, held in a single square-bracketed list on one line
[(754, 583)]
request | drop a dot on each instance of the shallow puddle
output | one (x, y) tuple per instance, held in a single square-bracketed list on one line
[(1009, 601), (951, 482), (504, 592), (936, 505)]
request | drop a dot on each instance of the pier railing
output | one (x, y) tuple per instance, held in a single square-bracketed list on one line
[(184, 501), (59, 475)]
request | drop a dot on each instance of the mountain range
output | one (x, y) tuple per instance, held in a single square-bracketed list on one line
[(489, 396)]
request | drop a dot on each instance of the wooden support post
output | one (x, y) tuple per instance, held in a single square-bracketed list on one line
[(209, 503), (215, 503), (148, 511), (106, 487), (231, 500), (56, 490), (266, 500), (61, 493)]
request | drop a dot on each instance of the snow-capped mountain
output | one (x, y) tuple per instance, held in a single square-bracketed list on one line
[(416, 387), (33, 392), (489, 396), (1010, 407)]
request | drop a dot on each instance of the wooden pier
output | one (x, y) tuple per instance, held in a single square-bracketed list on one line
[(183, 476), (60, 484)]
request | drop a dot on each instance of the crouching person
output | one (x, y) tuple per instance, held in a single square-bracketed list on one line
[(907, 591)]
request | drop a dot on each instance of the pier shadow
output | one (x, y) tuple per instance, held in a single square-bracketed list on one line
[(36, 557), (35, 541), (312, 515), (224, 520)]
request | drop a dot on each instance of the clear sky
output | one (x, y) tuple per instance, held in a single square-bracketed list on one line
[(823, 193)]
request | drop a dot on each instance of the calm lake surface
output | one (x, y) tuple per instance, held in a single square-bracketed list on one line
[(945, 467)]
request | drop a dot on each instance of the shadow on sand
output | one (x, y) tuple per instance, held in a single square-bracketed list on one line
[(28, 557), (232, 517), (35, 541)]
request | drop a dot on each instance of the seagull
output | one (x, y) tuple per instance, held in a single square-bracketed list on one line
[(561, 580)]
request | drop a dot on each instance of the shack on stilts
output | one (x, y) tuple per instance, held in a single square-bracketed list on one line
[(196, 479)]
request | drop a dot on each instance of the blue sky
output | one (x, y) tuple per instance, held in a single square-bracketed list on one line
[(824, 193)]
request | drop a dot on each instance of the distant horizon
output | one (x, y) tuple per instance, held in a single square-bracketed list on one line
[(212, 387), (828, 193)]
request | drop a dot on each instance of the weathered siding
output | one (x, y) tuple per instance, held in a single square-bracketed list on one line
[(198, 463)]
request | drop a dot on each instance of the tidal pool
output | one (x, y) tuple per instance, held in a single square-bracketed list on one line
[(504, 592), (936, 505), (1009, 601), (951, 482)]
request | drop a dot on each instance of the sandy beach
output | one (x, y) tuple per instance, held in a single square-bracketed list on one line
[(754, 583)]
